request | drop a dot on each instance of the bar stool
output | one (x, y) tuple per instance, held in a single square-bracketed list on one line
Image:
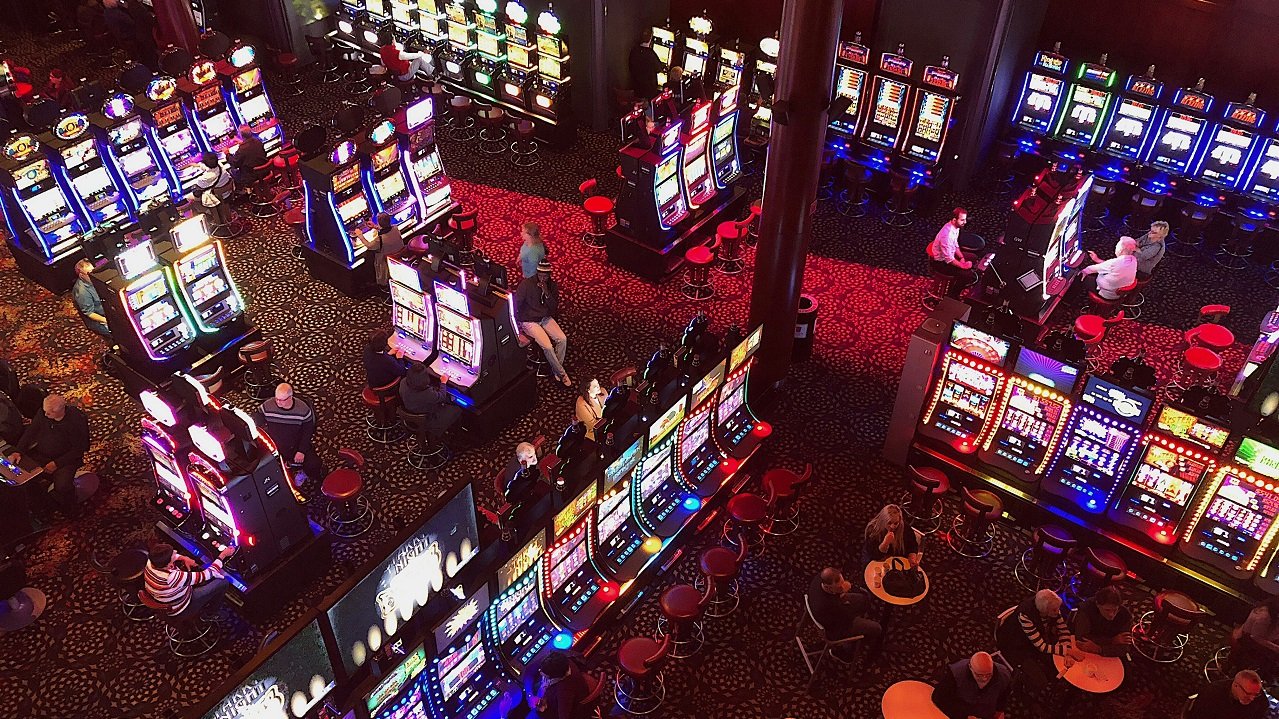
[(730, 235), (380, 404), (682, 609), (525, 152), (290, 84), (1102, 567), (783, 488), (1237, 250), (126, 571), (464, 227), (349, 512), (853, 199), (598, 208), (1091, 330), (1142, 208), (697, 281), (747, 514), (1107, 307), (1003, 167), (461, 119), (493, 135), (1213, 336), (1199, 367), (1162, 633), (973, 532), (940, 286), (214, 381), (189, 634), (640, 687), (288, 163), (258, 378), (1134, 300), (830, 169), (1187, 238), (21, 605), (536, 359), (428, 451), (1043, 564), (262, 191), (899, 210), (721, 567), (922, 504), (322, 50), (1097, 210)]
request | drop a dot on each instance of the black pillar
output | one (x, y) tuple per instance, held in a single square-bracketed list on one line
[(810, 31)]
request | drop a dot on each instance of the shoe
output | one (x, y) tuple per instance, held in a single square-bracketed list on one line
[(566, 381)]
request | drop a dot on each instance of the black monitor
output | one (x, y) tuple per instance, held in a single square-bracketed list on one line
[(289, 683)]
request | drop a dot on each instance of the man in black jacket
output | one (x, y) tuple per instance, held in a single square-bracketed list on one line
[(842, 613), (247, 154), (976, 687), (536, 300), (290, 423), (58, 439), (644, 66)]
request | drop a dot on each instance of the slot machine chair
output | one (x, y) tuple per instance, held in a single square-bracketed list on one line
[(1199, 367), (1097, 207), (747, 518), (213, 382), (729, 236), (428, 451), (1143, 207), (349, 513), (922, 504), (899, 209), (525, 152), (258, 378), (813, 657), (1043, 564), (1108, 308), (493, 135), (598, 208), (461, 119), (1162, 633), (536, 358), (783, 488), (1187, 238), (640, 687), (189, 634), (263, 190), (721, 567), (125, 572), (854, 200), (22, 605), (1132, 303), (1101, 568), (1236, 252), (326, 66), (972, 534), (380, 405), (1091, 330), (697, 280), (289, 69), (682, 607), (463, 227)]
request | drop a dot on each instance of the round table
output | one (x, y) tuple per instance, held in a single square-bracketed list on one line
[(1095, 674), (871, 579), (909, 700)]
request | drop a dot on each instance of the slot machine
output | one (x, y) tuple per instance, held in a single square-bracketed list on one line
[(665, 41), (1101, 439), (431, 21), (490, 38), (134, 149), (652, 201), (404, 22), (161, 108), (762, 86), (574, 592), (931, 116), (1041, 96), (1031, 416), (971, 380), (550, 90), (44, 228), (1180, 135), (415, 125), (725, 158), (1260, 185), (465, 681), (1086, 104), (412, 308), (402, 692), (140, 294), (173, 497), (890, 92), (338, 220), (206, 107), (1232, 525), (204, 281), (350, 19), (94, 184), (1128, 132), (695, 167), (250, 103), (698, 52), (1176, 457), (515, 627), (660, 500), (1231, 149), (617, 541), (737, 430), (520, 70), (387, 179), (456, 57), (701, 463), (729, 67), (375, 20), (852, 62)]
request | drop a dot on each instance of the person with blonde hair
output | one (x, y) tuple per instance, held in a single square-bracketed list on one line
[(888, 535), (1150, 247)]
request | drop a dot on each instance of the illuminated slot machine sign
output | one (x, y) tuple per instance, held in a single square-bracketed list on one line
[(730, 67), (385, 179), (465, 680), (489, 35), (1232, 525), (573, 591), (288, 684), (402, 16), (934, 106), (660, 500), (700, 459), (413, 312), (1183, 132), (1067, 236), (401, 694), (1128, 133), (220, 529), (1176, 458), (696, 53), (1232, 148), (209, 108), (1031, 417), (1086, 104), (367, 619), (850, 82), (971, 381), (664, 48), (151, 302), (1101, 440), (1041, 93), (91, 177), (515, 626), (737, 430), (617, 537), (41, 199), (890, 91), (430, 18), (250, 101), (698, 181), (672, 202), (173, 495), (458, 336)]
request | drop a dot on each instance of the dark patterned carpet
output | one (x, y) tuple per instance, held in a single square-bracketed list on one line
[(84, 660)]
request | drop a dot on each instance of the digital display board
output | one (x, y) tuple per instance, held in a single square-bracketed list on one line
[(580, 505), (286, 685), (1047, 371), (623, 465), (1184, 425), (745, 349), (982, 345), (667, 422), (1128, 404), (707, 385), (1259, 457)]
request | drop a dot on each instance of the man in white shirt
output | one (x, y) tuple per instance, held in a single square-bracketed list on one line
[(1115, 274), (945, 257)]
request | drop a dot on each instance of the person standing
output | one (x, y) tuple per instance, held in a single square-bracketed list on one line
[(644, 66), (1239, 697), (58, 439), (290, 423), (174, 581), (1151, 248), (121, 26), (841, 612), (974, 688), (536, 301), (533, 250), (87, 301), (389, 242), (1114, 274)]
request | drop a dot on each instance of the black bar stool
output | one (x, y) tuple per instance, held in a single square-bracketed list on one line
[(126, 571), (525, 152), (492, 124), (1101, 568), (922, 503), (721, 567), (380, 405), (189, 634), (1043, 564), (973, 532), (428, 451), (1161, 634)]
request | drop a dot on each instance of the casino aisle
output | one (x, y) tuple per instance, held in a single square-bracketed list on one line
[(83, 659)]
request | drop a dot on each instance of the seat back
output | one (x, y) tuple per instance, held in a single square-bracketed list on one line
[(662, 650), (351, 458), (588, 188), (975, 505)]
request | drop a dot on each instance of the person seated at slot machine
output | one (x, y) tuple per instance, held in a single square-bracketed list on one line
[(87, 301), (386, 240), (1151, 248), (888, 536), (214, 186), (422, 392), (176, 582), (841, 611), (401, 63), (1103, 624), (644, 66), (383, 361), (1110, 276), (945, 257), (12, 423), (58, 439), (290, 423), (1256, 641), (1032, 634), (58, 88), (532, 250), (516, 481), (247, 153), (536, 300), (590, 405), (1239, 697), (558, 688)]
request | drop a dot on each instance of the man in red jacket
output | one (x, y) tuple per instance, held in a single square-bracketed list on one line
[(402, 64)]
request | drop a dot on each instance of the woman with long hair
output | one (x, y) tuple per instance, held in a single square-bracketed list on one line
[(590, 405), (888, 535)]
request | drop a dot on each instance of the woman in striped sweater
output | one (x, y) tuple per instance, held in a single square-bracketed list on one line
[(1033, 634), (172, 580)]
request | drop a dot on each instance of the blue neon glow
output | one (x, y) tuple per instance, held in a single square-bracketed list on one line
[(562, 640), (692, 503), (165, 163), (341, 228)]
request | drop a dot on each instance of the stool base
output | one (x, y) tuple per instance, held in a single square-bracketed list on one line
[(928, 522), (384, 432), (725, 601), (133, 608), (1032, 581), (430, 457), (199, 639), (352, 520), (639, 698), (1148, 648), (968, 546), (685, 646)]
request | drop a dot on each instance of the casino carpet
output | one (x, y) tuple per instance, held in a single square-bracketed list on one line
[(83, 659)]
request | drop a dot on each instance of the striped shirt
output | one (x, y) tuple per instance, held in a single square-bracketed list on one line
[(173, 587), (1059, 643)]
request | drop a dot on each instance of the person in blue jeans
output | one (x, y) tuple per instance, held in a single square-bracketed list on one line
[(87, 300)]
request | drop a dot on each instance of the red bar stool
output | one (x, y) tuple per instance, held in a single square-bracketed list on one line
[(1043, 564), (730, 236), (380, 405), (640, 687), (747, 514), (1199, 367), (263, 191), (697, 280), (599, 209), (258, 378), (126, 571), (524, 150), (752, 220), (287, 65), (1133, 301), (288, 162), (922, 503), (1107, 307), (1102, 567), (1215, 337), (464, 227), (721, 567), (853, 200), (1091, 330), (783, 489), (682, 609), (1162, 633), (461, 119), (973, 532), (349, 512), (493, 135)]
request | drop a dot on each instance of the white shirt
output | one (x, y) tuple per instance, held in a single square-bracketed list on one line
[(945, 247), (1114, 274)]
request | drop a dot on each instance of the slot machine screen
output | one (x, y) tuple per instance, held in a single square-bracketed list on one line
[(1265, 179), (707, 385), (458, 668), (520, 605), (255, 109), (247, 80), (391, 186), (667, 191), (723, 130), (745, 349), (93, 183), (419, 113), (1036, 110), (218, 126), (46, 204), (567, 559), (453, 299), (32, 174), (352, 209), (657, 469), (1260, 458), (198, 264), (458, 621), (1161, 489), (368, 616), (736, 394), (613, 513), (136, 163), (214, 507), (622, 466), (1030, 415), (287, 685), (667, 422), (1127, 132), (345, 177), (1177, 143), (1112, 399), (1187, 426), (667, 168), (890, 98), (136, 260), (1223, 163), (849, 84), (164, 470), (411, 322), (1047, 371), (1084, 111), (521, 562), (208, 97), (79, 154), (128, 132), (405, 674), (385, 156), (549, 67), (406, 275), (696, 64), (455, 335), (580, 505), (696, 436), (982, 345), (1238, 516), (428, 165), (663, 41), (179, 143), (167, 114)]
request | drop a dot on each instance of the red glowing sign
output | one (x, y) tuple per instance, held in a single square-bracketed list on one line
[(1194, 101), (896, 64), (941, 77), (853, 52)]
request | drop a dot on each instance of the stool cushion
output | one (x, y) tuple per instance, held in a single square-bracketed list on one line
[(1104, 560), (1211, 335), (130, 564), (597, 205), (934, 475), (287, 59), (370, 397), (295, 217), (748, 508), (780, 482), (1056, 535), (681, 601), (1175, 600), (699, 256), (1202, 359), (342, 485), (990, 499), (633, 656), (718, 563), (1090, 326)]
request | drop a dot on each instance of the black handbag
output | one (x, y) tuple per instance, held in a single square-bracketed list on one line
[(902, 580)]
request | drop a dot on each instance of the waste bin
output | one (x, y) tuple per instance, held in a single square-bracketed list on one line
[(805, 325)]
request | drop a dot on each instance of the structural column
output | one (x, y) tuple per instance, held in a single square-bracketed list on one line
[(809, 34), (175, 25)]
